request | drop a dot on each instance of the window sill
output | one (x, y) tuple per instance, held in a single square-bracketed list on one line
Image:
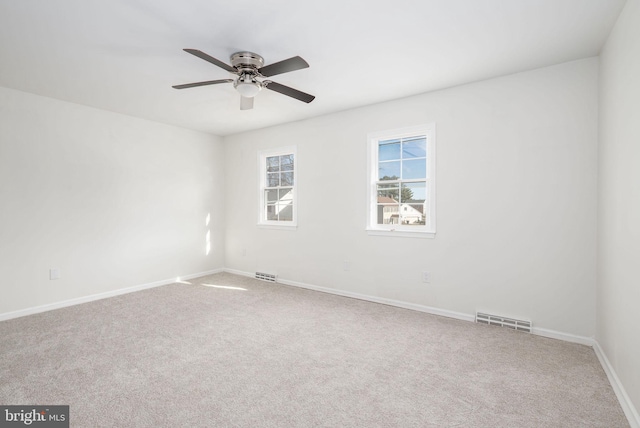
[(401, 233), (277, 226)]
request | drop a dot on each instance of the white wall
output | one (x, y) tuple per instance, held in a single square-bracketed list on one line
[(618, 293), (113, 201), (516, 201)]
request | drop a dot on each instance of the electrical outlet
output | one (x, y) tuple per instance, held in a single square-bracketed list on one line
[(346, 266), (426, 277), (244, 251), (54, 273)]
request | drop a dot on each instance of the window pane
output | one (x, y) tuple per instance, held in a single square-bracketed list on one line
[(388, 194), (414, 169), (286, 163), (388, 214), (412, 214), (273, 164), (271, 212), (273, 179), (271, 196), (286, 178), (286, 212), (285, 195), (414, 192), (389, 170), (389, 150), (414, 148)]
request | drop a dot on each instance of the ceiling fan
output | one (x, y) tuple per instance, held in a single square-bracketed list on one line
[(251, 72)]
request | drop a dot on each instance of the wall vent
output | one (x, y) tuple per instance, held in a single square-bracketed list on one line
[(265, 277), (511, 323)]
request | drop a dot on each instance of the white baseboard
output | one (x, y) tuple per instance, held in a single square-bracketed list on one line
[(198, 275), (368, 298), (93, 297), (627, 405), (382, 300), (566, 337), (240, 272)]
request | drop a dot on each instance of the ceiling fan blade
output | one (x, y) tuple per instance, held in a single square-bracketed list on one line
[(246, 103), (208, 82), (284, 66), (286, 90), (211, 59)]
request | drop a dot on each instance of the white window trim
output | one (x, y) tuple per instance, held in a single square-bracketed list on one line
[(262, 156), (372, 177)]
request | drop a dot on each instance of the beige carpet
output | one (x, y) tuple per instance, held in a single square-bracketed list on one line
[(253, 354)]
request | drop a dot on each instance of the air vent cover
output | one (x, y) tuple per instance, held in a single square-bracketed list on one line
[(500, 321), (265, 277)]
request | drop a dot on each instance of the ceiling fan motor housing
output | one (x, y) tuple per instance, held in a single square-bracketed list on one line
[(244, 60)]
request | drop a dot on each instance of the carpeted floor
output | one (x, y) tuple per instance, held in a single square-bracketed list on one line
[(247, 353)]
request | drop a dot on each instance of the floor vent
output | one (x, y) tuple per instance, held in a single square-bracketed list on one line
[(265, 277), (511, 323)]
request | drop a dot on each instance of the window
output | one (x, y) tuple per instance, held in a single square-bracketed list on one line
[(278, 187), (402, 182)]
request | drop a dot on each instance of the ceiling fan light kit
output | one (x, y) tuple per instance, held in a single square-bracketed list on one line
[(250, 70), (247, 86)]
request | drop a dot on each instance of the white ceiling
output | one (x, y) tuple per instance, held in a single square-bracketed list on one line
[(124, 55)]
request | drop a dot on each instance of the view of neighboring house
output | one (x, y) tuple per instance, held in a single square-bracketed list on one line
[(391, 211)]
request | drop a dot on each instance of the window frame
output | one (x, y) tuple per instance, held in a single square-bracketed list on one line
[(373, 139), (262, 167)]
